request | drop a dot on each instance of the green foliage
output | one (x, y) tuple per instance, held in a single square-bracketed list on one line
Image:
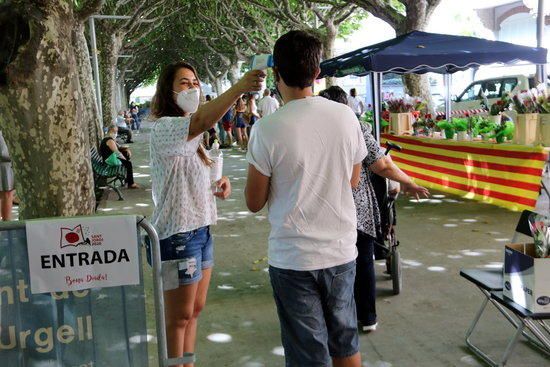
[(398, 6), (460, 124), (352, 24), (482, 125), (504, 130), (445, 125)]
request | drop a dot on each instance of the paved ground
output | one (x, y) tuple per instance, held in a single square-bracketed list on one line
[(423, 326)]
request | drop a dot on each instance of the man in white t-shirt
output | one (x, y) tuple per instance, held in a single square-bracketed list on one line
[(304, 160), (267, 105), (355, 103)]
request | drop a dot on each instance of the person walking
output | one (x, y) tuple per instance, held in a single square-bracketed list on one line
[(304, 160), (184, 204), (368, 216), (355, 103), (240, 122), (268, 104)]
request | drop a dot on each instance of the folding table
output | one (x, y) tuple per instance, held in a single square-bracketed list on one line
[(490, 283)]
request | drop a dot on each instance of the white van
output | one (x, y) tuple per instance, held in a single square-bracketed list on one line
[(472, 98)]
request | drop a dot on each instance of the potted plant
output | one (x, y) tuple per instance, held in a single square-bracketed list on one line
[(485, 128), (447, 128), (461, 127), (369, 119), (543, 106), (496, 109), (525, 104), (429, 124), (503, 130), (401, 118)]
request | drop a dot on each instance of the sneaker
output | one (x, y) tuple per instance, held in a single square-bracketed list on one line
[(369, 328)]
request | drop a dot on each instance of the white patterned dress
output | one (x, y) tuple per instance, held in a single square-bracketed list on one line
[(368, 213), (181, 188)]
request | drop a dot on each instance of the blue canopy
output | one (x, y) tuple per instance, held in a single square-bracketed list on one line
[(421, 52)]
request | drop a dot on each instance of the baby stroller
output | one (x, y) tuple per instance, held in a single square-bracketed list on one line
[(386, 244)]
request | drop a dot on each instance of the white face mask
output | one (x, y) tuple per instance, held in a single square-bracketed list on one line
[(188, 100)]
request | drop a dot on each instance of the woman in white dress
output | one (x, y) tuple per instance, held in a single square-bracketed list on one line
[(184, 201)]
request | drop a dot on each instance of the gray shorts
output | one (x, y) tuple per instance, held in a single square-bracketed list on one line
[(317, 314)]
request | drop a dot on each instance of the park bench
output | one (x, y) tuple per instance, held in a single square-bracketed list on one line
[(105, 175)]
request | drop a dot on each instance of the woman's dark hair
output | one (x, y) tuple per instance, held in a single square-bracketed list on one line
[(163, 103), (335, 93), (296, 57)]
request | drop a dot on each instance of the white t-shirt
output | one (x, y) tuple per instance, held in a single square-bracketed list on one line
[(120, 122), (181, 181), (308, 148), (267, 105), (355, 104)]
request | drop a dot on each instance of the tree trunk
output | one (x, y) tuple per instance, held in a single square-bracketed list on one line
[(93, 130), (42, 118), (234, 72), (108, 57), (218, 85), (329, 40), (416, 20)]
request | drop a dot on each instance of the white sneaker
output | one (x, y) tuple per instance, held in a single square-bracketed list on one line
[(368, 328)]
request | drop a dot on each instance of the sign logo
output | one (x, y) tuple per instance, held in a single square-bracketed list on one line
[(73, 237), (543, 301), (507, 285), (71, 254)]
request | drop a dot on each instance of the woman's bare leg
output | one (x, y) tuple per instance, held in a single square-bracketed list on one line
[(6, 204), (200, 301), (179, 305)]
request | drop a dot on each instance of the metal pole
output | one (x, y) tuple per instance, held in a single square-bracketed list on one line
[(377, 103), (158, 291), (96, 70), (541, 69), (448, 106), (122, 17)]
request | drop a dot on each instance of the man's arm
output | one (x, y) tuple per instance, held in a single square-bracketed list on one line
[(256, 191)]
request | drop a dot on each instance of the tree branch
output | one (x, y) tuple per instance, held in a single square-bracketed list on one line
[(89, 8)]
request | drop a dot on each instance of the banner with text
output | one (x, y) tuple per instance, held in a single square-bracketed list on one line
[(100, 327), (68, 254)]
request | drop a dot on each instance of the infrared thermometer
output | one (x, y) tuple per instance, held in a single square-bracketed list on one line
[(261, 62)]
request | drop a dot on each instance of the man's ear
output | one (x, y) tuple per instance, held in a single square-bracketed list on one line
[(317, 72), (276, 73)]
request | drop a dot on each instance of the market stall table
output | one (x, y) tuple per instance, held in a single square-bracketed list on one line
[(506, 175)]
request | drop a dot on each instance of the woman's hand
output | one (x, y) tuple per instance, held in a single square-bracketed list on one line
[(415, 190), (224, 187), (251, 81)]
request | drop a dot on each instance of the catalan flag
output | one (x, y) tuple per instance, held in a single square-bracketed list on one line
[(501, 174)]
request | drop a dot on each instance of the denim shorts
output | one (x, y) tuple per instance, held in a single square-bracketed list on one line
[(195, 249), (317, 314)]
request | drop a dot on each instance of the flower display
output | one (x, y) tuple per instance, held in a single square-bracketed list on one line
[(526, 101), (500, 106), (401, 105)]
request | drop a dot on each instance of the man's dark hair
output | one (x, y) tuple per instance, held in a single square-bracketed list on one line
[(353, 92), (296, 57), (335, 93)]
